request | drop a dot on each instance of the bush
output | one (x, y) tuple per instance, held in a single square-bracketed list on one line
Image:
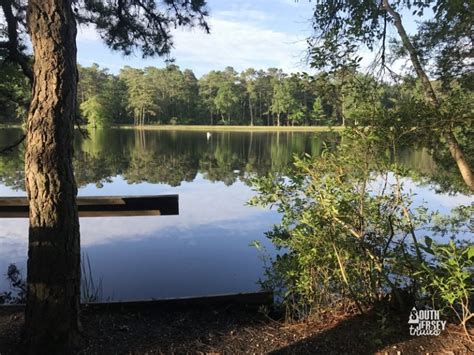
[(348, 231), (448, 278)]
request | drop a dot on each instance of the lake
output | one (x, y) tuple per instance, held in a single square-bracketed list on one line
[(205, 250)]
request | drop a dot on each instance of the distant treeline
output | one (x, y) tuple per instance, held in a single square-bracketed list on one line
[(173, 96)]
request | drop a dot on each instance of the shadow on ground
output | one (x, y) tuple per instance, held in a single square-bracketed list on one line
[(358, 334), (234, 329)]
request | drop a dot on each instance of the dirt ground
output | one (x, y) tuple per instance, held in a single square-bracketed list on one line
[(238, 330)]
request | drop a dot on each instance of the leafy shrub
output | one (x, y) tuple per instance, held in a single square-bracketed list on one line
[(350, 232), (448, 278)]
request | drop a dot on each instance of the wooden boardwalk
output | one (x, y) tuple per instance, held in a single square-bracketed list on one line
[(102, 206)]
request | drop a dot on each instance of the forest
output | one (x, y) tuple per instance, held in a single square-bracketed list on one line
[(172, 96)]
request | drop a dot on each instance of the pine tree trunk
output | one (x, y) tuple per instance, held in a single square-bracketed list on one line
[(52, 310), (432, 99)]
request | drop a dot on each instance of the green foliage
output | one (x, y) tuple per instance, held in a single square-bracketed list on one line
[(318, 113), (282, 100), (348, 229), (226, 100), (442, 39), (15, 92), (94, 110), (342, 237), (158, 95), (143, 25), (448, 277), (443, 45), (342, 28)]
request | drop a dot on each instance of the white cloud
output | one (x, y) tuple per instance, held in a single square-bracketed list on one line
[(228, 210), (241, 39), (87, 33), (241, 45), (245, 14)]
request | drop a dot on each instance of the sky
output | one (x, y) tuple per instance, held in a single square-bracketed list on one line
[(258, 34)]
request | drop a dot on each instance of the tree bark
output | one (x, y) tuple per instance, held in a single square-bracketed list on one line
[(431, 98), (53, 296)]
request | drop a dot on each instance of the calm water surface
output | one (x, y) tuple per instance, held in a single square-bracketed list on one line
[(205, 250)]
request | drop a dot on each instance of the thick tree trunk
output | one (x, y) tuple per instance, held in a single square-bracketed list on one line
[(52, 310), (431, 98)]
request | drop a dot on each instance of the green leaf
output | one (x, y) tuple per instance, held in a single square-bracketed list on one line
[(470, 252)]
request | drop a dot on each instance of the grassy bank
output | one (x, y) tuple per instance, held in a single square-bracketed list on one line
[(217, 128), (233, 128)]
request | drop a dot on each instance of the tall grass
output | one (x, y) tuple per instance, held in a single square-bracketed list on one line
[(90, 291)]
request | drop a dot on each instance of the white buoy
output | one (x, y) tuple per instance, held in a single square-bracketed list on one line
[(208, 135)]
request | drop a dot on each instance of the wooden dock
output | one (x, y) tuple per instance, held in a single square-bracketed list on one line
[(251, 300), (102, 206), (247, 300)]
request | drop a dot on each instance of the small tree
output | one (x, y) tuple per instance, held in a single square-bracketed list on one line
[(318, 114), (281, 101), (93, 110), (225, 100)]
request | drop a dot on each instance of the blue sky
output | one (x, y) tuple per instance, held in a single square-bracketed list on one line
[(258, 34)]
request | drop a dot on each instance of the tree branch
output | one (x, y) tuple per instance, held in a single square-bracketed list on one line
[(430, 95), (12, 45), (9, 148)]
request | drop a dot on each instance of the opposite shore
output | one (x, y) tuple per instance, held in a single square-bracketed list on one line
[(215, 128)]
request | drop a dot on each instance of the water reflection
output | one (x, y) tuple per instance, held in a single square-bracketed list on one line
[(176, 156), (205, 249)]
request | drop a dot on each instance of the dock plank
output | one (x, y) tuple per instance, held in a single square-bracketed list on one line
[(252, 299), (102, 206)]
